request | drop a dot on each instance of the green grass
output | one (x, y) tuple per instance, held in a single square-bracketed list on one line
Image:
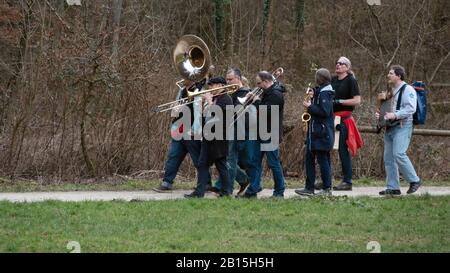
[(407, 224), (25, 185)]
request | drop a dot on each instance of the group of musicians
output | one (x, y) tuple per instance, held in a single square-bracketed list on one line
[(240, 158)]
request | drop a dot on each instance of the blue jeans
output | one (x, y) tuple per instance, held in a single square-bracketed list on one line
[(177, 152), (239, 161), (344, 155), (396, 143), (323, 158), (273, 161)]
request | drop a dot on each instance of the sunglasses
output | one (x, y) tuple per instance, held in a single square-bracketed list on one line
[(340, 63)]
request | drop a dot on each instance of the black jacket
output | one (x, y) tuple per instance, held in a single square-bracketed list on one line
[(272, 96), (219, 148)]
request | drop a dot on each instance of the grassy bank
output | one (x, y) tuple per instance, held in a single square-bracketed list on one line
[(407, 224)]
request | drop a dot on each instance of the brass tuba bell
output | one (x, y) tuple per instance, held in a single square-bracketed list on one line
[(192, 58)]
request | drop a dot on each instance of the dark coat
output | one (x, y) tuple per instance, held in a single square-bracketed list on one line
[(272, 96), (320, 135), (217, 149)]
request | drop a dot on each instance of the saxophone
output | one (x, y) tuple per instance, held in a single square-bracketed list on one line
[(306, 117)]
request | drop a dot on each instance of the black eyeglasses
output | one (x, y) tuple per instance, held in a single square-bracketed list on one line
[(340, 63)]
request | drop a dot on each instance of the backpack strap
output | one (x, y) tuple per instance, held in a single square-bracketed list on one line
[(399, 100)]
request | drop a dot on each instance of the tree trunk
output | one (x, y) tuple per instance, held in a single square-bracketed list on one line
[(266, 35), (117, 10), (300, 26)]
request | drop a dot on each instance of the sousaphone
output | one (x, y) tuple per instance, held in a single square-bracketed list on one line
[(192, 58)]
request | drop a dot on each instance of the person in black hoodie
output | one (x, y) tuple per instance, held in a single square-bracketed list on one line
[(320, 134)]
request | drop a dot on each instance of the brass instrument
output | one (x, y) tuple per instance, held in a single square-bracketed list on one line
[(191, 58), (257, 91), (192, 61), (245, 101), (227, 89), (306, 117)]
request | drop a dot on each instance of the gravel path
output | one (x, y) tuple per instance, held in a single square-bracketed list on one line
[(178, 194)]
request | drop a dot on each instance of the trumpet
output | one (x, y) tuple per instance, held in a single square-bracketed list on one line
[(306, 117), (227, 89)]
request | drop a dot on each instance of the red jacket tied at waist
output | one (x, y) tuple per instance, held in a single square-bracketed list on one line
[(354, 140)]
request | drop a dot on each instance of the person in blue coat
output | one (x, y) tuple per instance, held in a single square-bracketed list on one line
[(320, 134)]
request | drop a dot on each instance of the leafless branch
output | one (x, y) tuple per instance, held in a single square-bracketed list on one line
[(438, 67), (65, 24)]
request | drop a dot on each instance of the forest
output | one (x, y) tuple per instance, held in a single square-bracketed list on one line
[(78, 79)]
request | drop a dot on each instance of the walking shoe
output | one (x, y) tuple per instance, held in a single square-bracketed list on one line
[(304, 192), (193, 195), (242, 188), (224, 195), (413, 187), (163, 189), (318, 186), (277, 196), (390, 192), (209, 187), (247, 196), (343, 186), (324, 192), (213, 189)]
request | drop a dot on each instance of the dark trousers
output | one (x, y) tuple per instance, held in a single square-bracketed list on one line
[(204, 175), (344, 155), (323, 158)]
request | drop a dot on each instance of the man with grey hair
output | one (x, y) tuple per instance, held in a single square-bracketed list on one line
[(398, 137), (240, 151), (347, 97)]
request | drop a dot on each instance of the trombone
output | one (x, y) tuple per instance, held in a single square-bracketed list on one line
[(257, 91), (227, 89)]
